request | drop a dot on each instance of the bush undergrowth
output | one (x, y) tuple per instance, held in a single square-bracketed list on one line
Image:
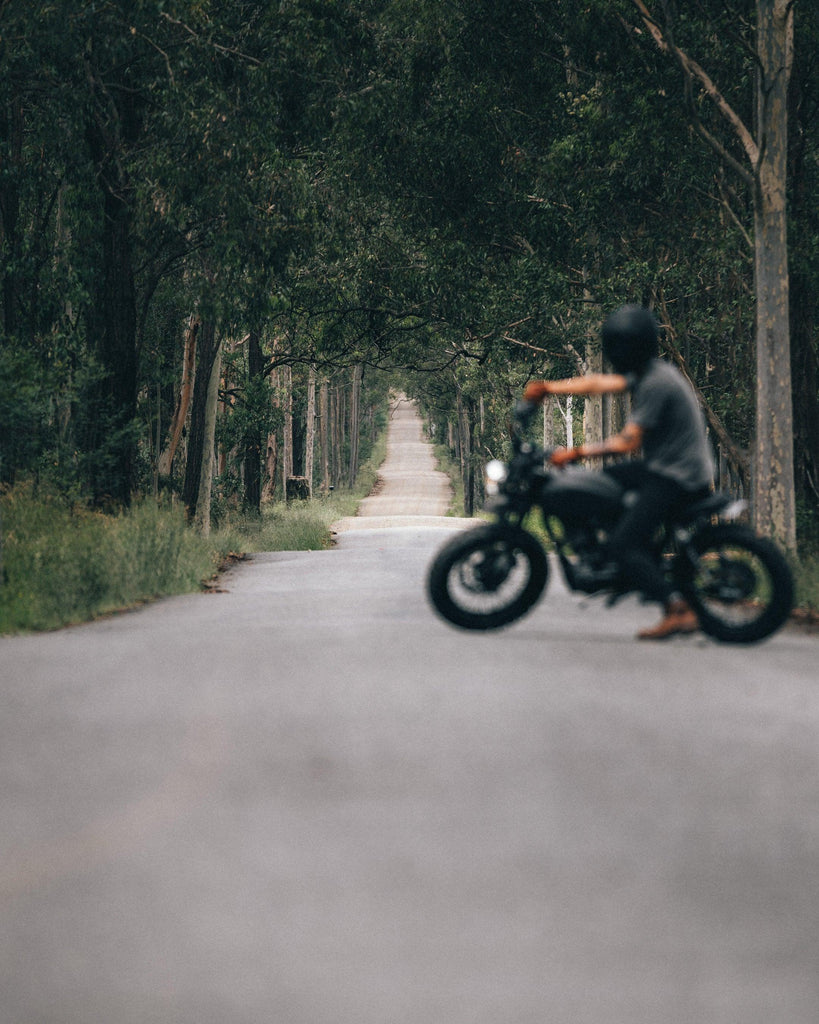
[(64, 564)]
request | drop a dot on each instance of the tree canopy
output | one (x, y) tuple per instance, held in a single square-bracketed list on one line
[(327, 192)]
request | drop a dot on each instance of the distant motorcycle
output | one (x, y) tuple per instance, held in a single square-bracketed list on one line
[(740, 584)]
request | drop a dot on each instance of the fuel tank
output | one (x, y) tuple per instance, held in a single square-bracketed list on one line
[(581, 494)]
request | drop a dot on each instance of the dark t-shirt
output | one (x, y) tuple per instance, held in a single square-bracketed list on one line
[(675, 443)]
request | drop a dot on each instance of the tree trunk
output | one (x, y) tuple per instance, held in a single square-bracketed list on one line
[(337, 418), (185, 392), (208, 447), (324, 436), (271, 455), (355, 423), (465, 436), (287, 436), (567, 415), (592, 363), (773, 489), (593, 404), (549, 422), (207, 350), (252, 455), (310, 431)]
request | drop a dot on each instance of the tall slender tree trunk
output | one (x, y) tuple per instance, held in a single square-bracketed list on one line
[(355, 423), (593, 404), (549, 422), (310, 431), (203, 503), (252, 455), (466, 436), (208, 347), (337, 418), (183, 404), (773, 489), (287, 436), (592, 363), (324, 435), (271, 455)]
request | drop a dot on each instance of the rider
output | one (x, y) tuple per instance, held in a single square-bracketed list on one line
[(676, 466)]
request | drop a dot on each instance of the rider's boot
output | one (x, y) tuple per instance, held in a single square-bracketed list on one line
[(679, 618)]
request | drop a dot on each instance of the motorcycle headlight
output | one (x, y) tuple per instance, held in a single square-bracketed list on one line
[(495, 472)]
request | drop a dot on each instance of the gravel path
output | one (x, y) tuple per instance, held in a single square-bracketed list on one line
[(410, 490)]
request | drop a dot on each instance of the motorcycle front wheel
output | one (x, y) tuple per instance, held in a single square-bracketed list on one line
[(740, 584), (487, 577)]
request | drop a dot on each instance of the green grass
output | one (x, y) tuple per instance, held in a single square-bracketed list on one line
[(807, 584), (64, 564)]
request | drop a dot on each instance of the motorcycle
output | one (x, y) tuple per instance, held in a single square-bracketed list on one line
[(491, 575)]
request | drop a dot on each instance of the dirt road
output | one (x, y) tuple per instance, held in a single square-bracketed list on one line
[(410, 490)]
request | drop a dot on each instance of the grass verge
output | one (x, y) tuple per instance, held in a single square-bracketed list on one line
[(446, 464), (807, 590), (64, 564)]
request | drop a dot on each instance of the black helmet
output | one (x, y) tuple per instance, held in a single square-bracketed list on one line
[(630, 338)]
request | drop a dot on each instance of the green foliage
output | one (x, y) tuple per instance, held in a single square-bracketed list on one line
[(23, 411), (807, 585), (252, 413), (455, 190), (65, 564)]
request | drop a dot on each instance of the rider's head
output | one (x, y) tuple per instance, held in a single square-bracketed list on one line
[(630, 339)]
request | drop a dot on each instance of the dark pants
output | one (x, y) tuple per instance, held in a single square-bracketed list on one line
[(655, 499)]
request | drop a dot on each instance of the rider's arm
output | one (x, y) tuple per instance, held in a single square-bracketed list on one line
[(591, 384), (630, 439)]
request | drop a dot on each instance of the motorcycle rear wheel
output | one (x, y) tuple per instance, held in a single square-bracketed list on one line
[(741, 586), (487, 577)]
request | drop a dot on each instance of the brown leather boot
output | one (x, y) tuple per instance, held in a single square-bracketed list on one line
[(679, 618)]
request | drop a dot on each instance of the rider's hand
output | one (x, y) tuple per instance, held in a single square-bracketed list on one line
[(563, 456), (535, 391)]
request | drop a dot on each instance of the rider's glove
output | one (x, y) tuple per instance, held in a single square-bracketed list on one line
[(535, 391), (563, 456)]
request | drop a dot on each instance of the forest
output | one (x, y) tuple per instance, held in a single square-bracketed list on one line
[(227, 230)]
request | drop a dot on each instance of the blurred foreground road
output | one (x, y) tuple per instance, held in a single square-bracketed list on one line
[(308, 801)]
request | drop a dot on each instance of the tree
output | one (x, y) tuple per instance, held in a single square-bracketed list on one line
[(766, 176)]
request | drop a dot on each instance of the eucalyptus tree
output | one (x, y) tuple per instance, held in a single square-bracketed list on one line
[(757, 151), (521, 170), (84, 80)]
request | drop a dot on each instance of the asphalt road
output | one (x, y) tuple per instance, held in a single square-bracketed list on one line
[(306, 800)]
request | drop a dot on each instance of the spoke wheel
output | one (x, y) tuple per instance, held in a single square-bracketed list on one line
[(741, 585), (487, 577)]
